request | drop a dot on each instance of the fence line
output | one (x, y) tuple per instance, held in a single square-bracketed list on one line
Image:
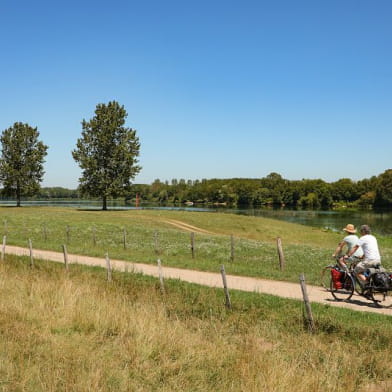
[(112, 237)]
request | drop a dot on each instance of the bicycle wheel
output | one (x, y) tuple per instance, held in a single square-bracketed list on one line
[(357, 287), (346, 291), (325, 277), (382, 299)]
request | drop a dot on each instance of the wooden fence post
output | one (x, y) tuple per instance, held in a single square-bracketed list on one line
[(3, 247), (193, 244), (161, 276), (31, 253), (227, 295), (65, 256), (280, 253), (124, 238), (309, 316), (108, 267), (232, 248)]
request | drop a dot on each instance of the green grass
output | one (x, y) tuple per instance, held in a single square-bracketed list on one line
[(306, 249)]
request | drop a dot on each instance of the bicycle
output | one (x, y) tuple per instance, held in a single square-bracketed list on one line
[(326, 278), (343, 289)]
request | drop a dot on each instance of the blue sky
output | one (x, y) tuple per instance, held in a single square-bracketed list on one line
[(215, 89)]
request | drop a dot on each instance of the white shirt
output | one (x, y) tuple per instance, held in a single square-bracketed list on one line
[(351, 240), (370, 247)]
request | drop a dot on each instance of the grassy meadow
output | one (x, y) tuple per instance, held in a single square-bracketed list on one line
[(75, 332), (149, 235)]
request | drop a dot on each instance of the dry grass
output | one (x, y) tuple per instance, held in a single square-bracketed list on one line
[(75, 332)]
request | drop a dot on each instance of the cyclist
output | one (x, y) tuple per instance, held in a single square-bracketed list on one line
[(350, 240), (371, 258)]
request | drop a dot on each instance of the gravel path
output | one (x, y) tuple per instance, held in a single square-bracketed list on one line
[(281, 289)]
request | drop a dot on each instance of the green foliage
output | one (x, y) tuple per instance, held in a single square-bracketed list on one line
[(367, 185), (57, 192), (309, 201), (384, 189), (344, 190), (272, 190), (367, 199), (107, 153), (22, 158)]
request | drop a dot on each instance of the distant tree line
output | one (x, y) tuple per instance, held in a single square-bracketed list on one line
[(47, 193), (271, 190)]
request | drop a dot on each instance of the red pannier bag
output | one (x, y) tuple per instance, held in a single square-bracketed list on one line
[(337, 278)]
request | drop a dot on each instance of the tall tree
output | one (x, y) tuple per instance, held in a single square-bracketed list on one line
[(107, 153), (21, 162)]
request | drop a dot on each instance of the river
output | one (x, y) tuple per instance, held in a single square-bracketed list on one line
[(379, 221)]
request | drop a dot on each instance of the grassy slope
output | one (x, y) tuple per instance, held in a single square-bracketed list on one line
[(306, 249), (74, 332)]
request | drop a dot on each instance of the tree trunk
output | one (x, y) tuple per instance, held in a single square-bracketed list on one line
[(104, 205)]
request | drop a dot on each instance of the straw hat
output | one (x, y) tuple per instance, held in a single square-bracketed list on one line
[(350, 228)]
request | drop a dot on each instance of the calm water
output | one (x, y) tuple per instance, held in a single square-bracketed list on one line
[(379, 221)]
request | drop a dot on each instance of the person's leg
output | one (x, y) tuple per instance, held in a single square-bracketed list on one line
[(359, 270), (365, 266), (342, 263), (362, 277)]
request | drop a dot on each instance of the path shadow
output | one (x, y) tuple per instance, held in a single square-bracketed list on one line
[(354, 301)]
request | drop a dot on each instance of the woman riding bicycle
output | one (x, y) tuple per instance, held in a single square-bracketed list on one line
[(350, 240)]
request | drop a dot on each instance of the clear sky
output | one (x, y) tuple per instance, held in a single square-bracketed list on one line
[(215, 89)]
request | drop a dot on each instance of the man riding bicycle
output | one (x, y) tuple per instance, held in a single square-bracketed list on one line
[(371, 257)]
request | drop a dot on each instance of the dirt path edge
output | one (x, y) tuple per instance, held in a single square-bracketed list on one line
[(211, 279)]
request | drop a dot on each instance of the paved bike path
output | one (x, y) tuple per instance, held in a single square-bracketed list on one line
[(277, 288)]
